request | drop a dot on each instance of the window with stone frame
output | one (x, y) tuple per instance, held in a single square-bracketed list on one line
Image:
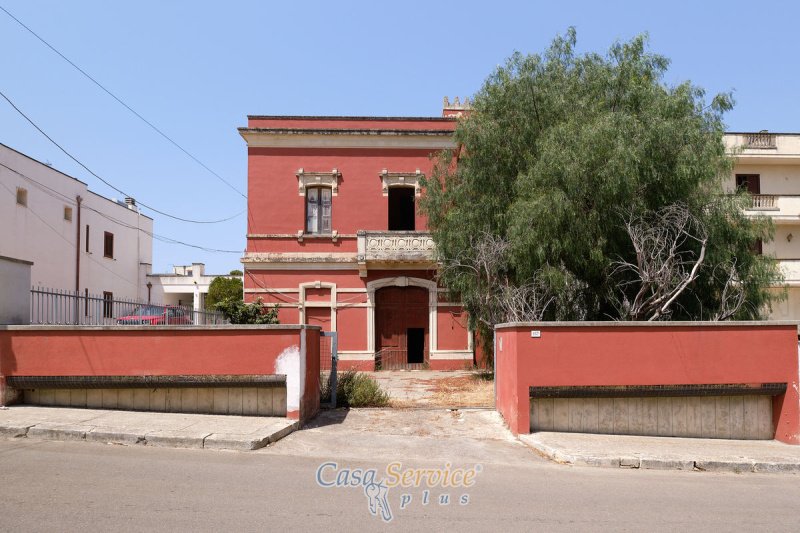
[(318, 210)]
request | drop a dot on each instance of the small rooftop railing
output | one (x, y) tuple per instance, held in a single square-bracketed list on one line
[(761, 140)]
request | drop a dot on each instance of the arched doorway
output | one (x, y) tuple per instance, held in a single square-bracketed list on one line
[(401, 327)]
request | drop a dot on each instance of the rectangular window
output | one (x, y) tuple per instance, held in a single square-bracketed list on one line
[(401, 209), (318, 210), (22, 197), (108, 304), (108, 245), (87, 238), (748, 182), (68, 214)]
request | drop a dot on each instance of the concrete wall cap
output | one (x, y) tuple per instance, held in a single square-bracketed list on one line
[(198, 328), (641, 324)]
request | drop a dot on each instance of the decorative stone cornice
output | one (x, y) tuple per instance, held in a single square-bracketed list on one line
[(311, 236), (399, 246), (384, 249), (401, 179), (358, 138), (298, 257), (318, 179)]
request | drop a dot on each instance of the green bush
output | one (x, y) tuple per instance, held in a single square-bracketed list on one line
[(221, 289), (355, 389), (239, 312)]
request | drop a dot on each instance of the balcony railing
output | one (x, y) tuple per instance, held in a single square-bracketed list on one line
[(764, 202), (760, 140), (399, 246)]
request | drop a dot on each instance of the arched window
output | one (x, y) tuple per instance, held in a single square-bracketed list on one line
[(318, 210)]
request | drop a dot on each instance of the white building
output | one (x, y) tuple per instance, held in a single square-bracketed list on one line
[(768, 166), (76, 239), (186, 285)]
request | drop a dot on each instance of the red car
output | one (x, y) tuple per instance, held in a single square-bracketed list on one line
[(156, 315)]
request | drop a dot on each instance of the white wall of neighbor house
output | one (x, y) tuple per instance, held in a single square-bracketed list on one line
[(789, 308), (786, 243), (15, 296), (39, 220), (775, 179), (778, 168), (132, 250), (186, 285)]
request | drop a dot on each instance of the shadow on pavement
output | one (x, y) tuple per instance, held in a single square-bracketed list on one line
[(328, 417)]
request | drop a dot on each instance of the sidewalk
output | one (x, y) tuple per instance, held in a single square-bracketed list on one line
[(178, 430), (666, 453)]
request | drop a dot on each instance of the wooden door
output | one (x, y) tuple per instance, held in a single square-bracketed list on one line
[(398, 310)]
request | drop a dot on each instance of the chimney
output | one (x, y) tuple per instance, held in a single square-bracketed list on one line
[(131, 203), (456, 109)]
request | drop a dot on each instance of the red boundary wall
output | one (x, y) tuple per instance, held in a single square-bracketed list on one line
[(634, 353), (291, 350)]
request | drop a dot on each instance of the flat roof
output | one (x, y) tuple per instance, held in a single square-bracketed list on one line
[(74, 179), (339, 117), (43, 164), (329, 131), (764, 132)]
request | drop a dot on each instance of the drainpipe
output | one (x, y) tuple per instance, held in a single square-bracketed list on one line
[(78, 199)]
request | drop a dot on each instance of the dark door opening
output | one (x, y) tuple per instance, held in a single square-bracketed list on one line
[(401, 209), (749, 182), (415, 339)]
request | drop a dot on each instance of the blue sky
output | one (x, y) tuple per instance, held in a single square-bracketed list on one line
[(197, 69)]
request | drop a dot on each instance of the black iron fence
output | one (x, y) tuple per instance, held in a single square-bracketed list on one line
[(328, 362), (54, 306)]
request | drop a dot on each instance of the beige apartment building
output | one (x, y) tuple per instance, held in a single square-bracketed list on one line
[(768, 166)]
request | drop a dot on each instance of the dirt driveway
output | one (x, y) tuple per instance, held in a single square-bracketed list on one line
[(430, 388)]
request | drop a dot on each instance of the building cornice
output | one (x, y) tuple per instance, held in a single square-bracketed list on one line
[(347, 138), (298, 257), (309, 236), (351, 118)]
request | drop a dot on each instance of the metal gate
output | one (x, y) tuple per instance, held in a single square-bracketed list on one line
[(328, 359), (396, 359)]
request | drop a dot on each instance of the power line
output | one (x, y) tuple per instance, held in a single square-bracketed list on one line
[(71, 201), (126, 106), (40, 130), (93, 260)]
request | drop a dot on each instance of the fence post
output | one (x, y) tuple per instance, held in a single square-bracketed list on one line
[(334, 365)]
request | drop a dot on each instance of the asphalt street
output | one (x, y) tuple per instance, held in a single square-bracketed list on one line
[(68, 486)]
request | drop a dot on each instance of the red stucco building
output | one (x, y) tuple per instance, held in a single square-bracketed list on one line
[(336, 239)]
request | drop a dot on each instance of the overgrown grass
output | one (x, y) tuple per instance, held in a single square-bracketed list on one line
[(483, 374), (355, 389)]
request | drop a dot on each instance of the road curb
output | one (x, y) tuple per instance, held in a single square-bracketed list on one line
[(168, 439), (558, 455)]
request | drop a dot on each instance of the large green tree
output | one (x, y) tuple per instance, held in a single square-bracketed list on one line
[(585, 187), (225, 288)]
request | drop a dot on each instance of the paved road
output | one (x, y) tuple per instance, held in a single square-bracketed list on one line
[(71, 486)]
